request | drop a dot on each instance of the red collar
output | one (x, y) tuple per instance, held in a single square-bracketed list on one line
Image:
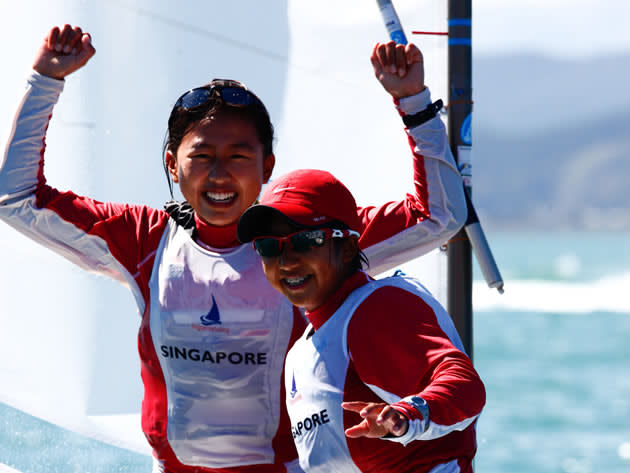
[(319, 316), (217, 237)]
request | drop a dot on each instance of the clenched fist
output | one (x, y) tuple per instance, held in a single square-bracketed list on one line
[(63, 52)]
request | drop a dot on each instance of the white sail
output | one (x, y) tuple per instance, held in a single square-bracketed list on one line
[(67, 338), (7, 469)]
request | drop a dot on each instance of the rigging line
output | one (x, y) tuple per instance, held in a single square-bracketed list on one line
[(190, 28), (436, 33), (215, 36), (458, 102)]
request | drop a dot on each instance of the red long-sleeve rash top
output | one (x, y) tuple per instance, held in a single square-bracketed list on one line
[(180, 282), (398, 346)]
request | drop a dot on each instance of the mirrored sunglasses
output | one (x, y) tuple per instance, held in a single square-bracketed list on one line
[(231, 95), (301, 242)]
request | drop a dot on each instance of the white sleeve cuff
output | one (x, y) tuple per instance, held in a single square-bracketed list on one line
[(417, 427), (35, 79), (415, 103)]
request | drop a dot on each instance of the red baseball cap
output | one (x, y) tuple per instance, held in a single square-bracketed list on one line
[(307, 197)]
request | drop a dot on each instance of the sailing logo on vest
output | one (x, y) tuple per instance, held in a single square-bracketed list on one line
[(212, 317), (293, 393)]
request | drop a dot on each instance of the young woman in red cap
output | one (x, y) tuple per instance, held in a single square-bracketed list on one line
[(379, 382), (214, 333)]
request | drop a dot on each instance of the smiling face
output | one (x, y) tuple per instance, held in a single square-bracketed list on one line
[(309, 279), (220, 167)]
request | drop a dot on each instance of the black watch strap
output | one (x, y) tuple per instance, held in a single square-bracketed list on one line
[(423, 116)]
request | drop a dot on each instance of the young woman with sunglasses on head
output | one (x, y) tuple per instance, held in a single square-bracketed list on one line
[(379, 381), (214, 333)]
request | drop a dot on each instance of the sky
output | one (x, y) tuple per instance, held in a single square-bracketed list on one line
[(565, 28)]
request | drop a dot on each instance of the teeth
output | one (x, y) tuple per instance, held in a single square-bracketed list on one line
[(295, 281), (220, 196)]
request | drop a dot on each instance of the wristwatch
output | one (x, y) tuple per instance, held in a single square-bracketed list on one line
[(421, 406), (423, 116)]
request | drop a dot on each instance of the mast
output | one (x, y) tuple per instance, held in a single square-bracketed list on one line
[(459, 272)]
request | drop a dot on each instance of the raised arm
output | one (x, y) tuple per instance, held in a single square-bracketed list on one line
[(63, 51), (397, 232), (111, 239)]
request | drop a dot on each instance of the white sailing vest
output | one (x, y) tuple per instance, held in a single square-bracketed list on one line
[(221, 333), (315, 375)]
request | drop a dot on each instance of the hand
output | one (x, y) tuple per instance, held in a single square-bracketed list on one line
[(399, 68), (63, 52), (379, 419)]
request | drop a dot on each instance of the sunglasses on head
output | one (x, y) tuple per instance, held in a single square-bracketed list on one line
[(231, 92), (301, 242)]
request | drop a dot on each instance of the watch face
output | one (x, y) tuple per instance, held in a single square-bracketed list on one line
[(416, 402), (421, 406)]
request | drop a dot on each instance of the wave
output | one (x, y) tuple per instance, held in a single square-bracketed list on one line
[(607, 294)]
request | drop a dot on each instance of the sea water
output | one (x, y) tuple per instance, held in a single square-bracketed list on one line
[(556, 367)]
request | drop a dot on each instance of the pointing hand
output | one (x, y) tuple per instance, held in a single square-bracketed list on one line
[(379, 419)]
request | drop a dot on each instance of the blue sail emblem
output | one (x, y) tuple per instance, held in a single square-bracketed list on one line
[(212, 317), (293, 388)]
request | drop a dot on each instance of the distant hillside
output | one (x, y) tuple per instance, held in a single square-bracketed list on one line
[(570, 178), (527, 93), (544, 158)]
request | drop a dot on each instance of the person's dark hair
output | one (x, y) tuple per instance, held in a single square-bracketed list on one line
[(181, 121), (360, 261)]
